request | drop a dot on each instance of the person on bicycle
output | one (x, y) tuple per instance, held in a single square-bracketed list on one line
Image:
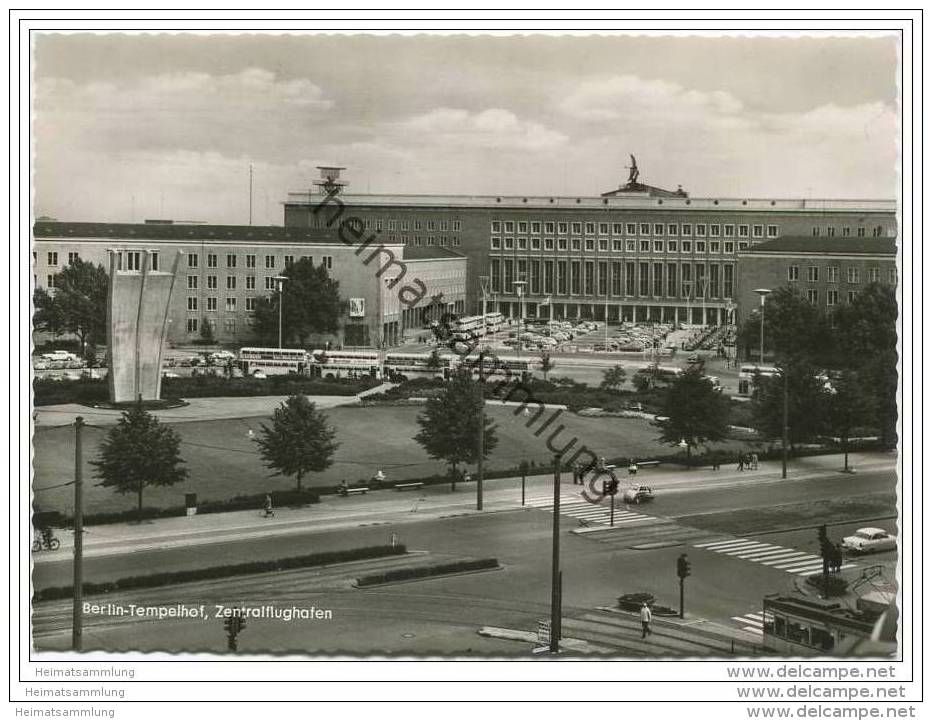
[(269, 512)]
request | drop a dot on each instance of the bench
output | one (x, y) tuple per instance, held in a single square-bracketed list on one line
[(407, 486), (352, 491), (648, 464)]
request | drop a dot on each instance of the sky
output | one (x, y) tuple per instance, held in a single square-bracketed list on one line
[(128, 127)]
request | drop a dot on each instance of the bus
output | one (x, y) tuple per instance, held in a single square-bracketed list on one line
[(415, 365), (469, 327), (346, 363), (494, 322), (273, 361), (746, 375), (497, 365)]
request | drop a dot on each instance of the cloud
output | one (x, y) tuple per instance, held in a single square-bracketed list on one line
[(627, 96), (494, 128)]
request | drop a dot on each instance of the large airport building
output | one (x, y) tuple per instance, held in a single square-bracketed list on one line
[(635, 253)]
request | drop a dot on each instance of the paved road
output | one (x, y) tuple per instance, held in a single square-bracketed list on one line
[(442, 615)]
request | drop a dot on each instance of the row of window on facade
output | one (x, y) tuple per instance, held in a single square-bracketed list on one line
[(451, 226), (831, 296), (831, 231), (231, 282), (229, 324), (211, 304), (616, 279), (699, 230), (271, 261), (418, 240), (618, 245), (853, 275)]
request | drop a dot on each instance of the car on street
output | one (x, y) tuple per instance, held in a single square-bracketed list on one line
[(869, 540), (638, 494), (259, 374)]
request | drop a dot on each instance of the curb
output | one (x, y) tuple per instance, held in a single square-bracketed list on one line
[(426, 578)]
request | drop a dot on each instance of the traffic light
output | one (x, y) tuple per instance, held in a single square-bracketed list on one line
[(683, 566), (610, 487)]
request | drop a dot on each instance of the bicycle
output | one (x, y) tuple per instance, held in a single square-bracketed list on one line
[(46, 541)]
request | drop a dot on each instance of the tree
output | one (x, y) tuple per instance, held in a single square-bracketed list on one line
[(299, 441), (807, 403), (546, 363), (78, 305), (310, 301), (450, 423), (846, 407), (207, 332), (866, 339), (613, 378), (793, 328), (434, 361), (138, 452), (694, 411)]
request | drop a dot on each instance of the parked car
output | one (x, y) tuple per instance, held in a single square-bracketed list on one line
[(869, 540), (638, 494), (169, 374), (261, 375)]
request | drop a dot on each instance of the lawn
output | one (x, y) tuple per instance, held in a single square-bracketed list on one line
[(222, 460)]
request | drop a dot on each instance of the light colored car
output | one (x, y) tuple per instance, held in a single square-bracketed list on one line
[(869, 540), (169, 374), (261, 375), (638, 494)]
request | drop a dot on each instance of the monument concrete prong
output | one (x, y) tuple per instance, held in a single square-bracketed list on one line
[(138, 302)]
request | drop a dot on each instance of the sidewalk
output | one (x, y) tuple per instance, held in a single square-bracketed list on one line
[(389, 507)]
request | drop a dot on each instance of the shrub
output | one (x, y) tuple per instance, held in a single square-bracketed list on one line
[(633, 601), (412, 572), (212, 572)]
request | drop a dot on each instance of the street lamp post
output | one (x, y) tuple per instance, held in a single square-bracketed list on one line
[(763, 293), (520, 287), (280, 287)]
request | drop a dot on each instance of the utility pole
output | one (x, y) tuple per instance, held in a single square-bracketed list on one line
[(556, 583), (78, 576), (786, 415), (481, 443)]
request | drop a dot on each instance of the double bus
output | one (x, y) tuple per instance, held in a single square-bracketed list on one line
[(467, 328), (747, 373), (494, 322), (273, 361), (346, 363), (415, 365)]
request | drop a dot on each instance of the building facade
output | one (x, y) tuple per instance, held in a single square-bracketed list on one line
[(226, 268), (828, 272), (637, 253)]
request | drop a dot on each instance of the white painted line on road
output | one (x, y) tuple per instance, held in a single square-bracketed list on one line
[(806, 560), (819, 569), (777, 556), (717, 545), (798, 557), (769, 555), (804, 567), (743, 546)]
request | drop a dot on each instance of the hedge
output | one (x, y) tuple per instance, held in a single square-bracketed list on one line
[(237, 503), (168, 578), (437, 569), (90, 391)]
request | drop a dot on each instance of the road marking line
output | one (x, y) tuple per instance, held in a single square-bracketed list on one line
[(769, 555), (792, 558), (801, 561), (743, 546), (721, 544), (756, 548)]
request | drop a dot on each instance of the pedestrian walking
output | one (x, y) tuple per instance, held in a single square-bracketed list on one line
[(632, 468), (740, 462), (646, 618), (754, 460), (394, 539), (716, 463), (269, 512)]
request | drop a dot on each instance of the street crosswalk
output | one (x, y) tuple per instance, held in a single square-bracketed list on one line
[(767, 554), (751, 622), (589, 513)]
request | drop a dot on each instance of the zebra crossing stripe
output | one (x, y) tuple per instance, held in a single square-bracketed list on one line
[(774, 552), (818, 569), (784, 555), (749, 548), (719, 545), (795, 557)]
